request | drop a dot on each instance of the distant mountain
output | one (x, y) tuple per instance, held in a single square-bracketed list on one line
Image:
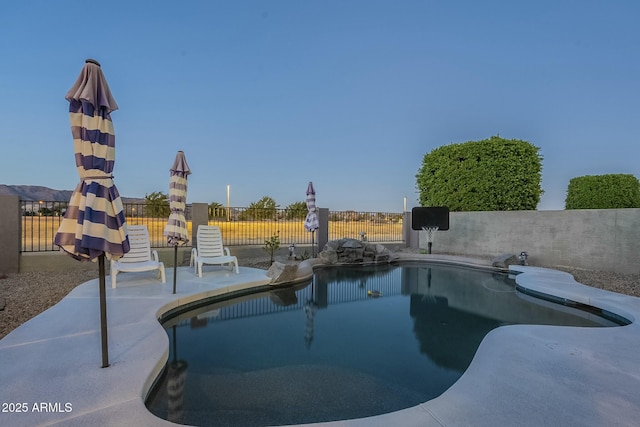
[(37, 192)]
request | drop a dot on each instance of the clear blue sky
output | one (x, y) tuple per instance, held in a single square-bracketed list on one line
[(265, 96)]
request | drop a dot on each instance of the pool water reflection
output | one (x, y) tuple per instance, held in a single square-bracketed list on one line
[(352, 343)]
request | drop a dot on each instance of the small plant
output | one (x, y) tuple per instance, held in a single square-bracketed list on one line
[(305, 255), (271, 245)]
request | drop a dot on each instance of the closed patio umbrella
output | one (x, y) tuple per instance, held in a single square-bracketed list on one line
[(175, 384), (94, 224), (176, 228), (310, 309), (311, 223)]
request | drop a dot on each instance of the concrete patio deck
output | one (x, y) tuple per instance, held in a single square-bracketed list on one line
[(521, 375)]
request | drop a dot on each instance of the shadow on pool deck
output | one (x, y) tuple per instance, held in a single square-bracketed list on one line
[(521, 375)]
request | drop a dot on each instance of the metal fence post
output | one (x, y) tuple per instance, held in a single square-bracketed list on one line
[(199, 216), (411, 236), (10, 232), (323, 231)]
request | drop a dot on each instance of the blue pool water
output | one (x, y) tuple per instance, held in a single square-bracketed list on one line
[(352, 343)]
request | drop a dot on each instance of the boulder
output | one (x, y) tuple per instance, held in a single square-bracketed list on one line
[(282, 273), (353, 251), (350, 244), (334, 244), (351, 255), (505, 260), (328, 256)]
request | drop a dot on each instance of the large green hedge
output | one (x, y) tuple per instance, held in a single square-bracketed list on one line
[(612, 191), (494, 174)]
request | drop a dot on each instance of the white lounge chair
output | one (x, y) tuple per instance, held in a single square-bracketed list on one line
[(139, 258), (211, 250)]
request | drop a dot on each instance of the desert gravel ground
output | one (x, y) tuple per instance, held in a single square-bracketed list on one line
[(28, 294)]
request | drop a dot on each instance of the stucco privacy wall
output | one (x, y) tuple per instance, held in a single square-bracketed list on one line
[(598, 239)]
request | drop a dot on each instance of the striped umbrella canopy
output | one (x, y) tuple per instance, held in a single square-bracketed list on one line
[(177, 376), (176, 228), (94, 224), (311, 221)]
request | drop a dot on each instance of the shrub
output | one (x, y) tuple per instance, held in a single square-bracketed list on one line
[(296, 210), (271, 245), (265, 208), (157, 205), (612, 191), (494, 174)]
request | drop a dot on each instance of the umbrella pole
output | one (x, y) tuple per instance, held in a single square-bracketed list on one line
[(175, 266), (103, 312), (175, 346)]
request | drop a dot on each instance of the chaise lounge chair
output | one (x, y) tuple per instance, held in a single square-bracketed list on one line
[(211, 250), (139, 258)]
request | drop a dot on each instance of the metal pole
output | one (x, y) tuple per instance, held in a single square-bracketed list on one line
[(103, 312), (228, 203), (175, 266), (175, 345)]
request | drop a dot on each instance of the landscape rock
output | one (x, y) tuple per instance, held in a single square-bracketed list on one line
[(350, 243), (282, 273), (353, 251), (505, 260), (328, 255)]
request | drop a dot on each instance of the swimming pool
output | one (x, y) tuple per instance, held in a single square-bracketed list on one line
[(354, 342)]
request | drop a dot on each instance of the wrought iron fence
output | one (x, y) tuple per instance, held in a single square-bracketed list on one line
[(155, 218), (251, 226), (377, 227), (239, 226), (40, 222)]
